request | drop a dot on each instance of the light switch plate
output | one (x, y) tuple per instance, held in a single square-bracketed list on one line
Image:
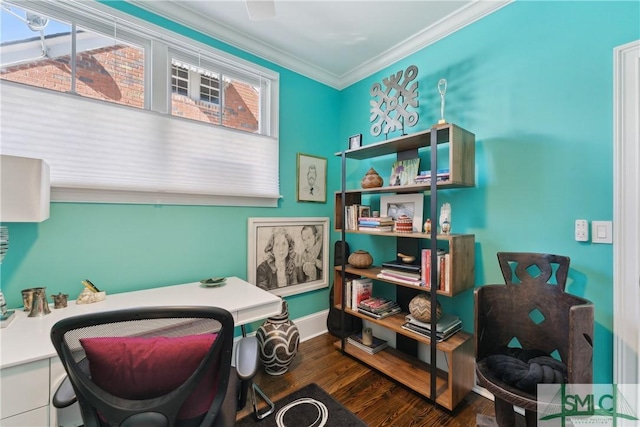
[(602, 232), (582, 230)]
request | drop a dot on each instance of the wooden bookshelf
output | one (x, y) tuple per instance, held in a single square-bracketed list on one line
[(446, 385)]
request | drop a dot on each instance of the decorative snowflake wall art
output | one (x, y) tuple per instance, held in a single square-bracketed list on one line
[(390, 107)]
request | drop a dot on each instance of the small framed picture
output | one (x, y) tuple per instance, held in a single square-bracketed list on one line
[(355, 141), (312, 178)]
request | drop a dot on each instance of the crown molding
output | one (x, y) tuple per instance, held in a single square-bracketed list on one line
[(178, 13), (471, 13)]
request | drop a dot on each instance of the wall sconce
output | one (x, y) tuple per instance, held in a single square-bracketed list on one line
[(25, 195)]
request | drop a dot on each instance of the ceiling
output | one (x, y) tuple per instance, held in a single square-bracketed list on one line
[(334, 42)]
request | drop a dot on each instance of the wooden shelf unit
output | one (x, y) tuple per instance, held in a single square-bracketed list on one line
[(461, 250), (453, 385)]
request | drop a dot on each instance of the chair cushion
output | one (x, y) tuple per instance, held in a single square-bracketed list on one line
[(525, 369), (142, 368)]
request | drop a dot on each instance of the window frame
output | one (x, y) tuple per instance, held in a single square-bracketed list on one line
[(160, 46)]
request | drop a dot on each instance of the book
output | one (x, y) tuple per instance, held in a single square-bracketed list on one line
[(377, 304), (427, 333), (404, 171), (413, 282), (401, 273), (362, 222), (380, 314), (398, 264), (447, 272), (361, 289), (425, 261), (377, 219), (376, 229), (377, 344), (444, 324)]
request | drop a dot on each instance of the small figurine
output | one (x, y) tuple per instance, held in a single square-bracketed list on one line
[(445, 218), (442, 88), (60, 300), (427, 226)]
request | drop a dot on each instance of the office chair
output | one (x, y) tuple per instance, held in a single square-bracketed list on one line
[(156, 366), (530, 318)]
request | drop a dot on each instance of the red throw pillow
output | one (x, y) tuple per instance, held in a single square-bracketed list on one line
[(142, 368)]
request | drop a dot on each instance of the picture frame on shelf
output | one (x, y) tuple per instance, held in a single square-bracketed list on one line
[(311, 178), (304, 254), (410, 205), (355, 141), (404, 172)]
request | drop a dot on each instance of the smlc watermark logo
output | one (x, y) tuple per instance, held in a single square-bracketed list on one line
[(594, 405)]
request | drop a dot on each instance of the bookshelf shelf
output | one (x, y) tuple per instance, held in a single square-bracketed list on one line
[(415, 373), (447, 385)]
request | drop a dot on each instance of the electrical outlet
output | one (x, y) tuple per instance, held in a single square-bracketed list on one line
[(582, 230)]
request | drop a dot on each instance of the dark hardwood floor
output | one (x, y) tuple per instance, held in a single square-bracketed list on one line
[(372, 396)]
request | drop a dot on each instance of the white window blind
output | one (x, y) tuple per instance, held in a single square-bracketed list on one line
[(135, 156)]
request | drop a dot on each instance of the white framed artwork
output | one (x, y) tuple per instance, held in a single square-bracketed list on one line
[(288, 256)]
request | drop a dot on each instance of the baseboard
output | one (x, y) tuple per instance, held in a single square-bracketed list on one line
[(312, 325)]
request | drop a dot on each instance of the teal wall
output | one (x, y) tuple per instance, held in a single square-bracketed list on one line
[(126, 247), (533, 81)]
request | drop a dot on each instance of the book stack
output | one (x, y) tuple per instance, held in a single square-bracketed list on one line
[(377, 344), (443, 270), (398, 271), (370, 223), (353, 212), (446, 326), (361, 289), (378, 307), (425, 176)]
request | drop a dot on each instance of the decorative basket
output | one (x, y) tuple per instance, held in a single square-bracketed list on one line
[(404, 224), (420, 308), (360, 259), (371, 179)]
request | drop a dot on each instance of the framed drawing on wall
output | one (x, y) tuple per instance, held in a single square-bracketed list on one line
[(288, 256), (312, 178), (410, 205)]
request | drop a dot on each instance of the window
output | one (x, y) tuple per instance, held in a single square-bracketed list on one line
[(102, 152), (196, 94), (41, 51)]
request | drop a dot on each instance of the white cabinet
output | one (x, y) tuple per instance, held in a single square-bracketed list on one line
[(24, 397)]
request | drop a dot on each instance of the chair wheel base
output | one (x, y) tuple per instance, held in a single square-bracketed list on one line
[(270, 405)]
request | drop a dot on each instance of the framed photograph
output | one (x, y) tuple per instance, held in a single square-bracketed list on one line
[(404, 172), (312, 178), (355, 141), (404, 204), (288, 256)]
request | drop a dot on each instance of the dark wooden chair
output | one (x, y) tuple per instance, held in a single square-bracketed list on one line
[(539, 314)]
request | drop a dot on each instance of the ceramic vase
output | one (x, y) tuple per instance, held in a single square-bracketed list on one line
[(278, 339)]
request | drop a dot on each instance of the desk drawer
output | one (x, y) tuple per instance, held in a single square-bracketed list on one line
[(24, 388), (37, 417)]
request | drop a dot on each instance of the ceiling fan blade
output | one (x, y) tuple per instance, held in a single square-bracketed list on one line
[(260, 10)]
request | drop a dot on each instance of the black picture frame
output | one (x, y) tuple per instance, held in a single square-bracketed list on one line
[(355, 141)]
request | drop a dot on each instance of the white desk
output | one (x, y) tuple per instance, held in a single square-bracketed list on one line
[(27, 355)]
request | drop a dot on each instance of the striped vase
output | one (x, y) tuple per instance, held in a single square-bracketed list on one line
[(278, 338)]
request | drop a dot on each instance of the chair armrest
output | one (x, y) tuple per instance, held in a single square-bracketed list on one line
[(247, 358), (65, 395)]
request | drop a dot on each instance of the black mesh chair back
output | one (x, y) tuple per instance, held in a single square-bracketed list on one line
[(155, 366)]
